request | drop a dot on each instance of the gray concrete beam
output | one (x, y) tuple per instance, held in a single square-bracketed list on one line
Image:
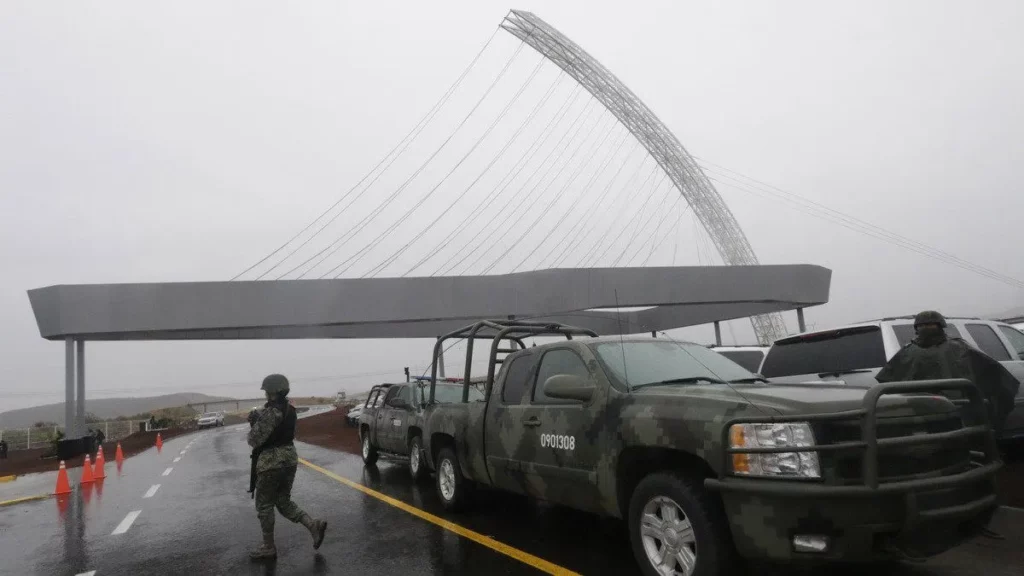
[(423, 307)]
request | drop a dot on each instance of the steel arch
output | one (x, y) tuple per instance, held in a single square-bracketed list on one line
[(664, 147)]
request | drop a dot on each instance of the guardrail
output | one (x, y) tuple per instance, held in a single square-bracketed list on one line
[(43, 436)]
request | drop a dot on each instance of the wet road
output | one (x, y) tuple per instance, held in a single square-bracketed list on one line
[(201, 520)]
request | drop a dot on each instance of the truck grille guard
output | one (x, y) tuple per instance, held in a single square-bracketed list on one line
[(984, 463)]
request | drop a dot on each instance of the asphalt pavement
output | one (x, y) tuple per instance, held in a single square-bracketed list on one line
[(201, 520)]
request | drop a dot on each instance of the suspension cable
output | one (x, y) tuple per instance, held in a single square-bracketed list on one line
[(351, 232), (509, 177), (417, 128), (352, 260)]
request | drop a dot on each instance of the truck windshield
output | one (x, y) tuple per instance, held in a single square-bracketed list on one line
[(654, 361), (749, 359), (835, 351)]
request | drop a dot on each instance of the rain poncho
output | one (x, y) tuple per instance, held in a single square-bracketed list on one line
[(933, 356)]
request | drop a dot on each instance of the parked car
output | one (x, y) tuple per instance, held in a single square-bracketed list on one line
[(393, 425), (352, 417), (852, 355)]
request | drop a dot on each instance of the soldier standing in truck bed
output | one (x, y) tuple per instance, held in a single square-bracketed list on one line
[(932, 355), (274, 463)]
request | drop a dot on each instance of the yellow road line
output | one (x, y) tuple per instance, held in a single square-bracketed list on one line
[(7, 479), (524, 557), (25, 499)]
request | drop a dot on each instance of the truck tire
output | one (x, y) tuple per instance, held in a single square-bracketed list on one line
[(675, 527), (452, 487), (369, 451), (416, 468)]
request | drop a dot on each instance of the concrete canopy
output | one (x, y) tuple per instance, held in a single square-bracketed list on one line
[(423, 307)]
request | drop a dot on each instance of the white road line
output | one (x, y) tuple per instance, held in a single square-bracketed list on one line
[(126, 523), (167, 472), (176, 460), (89, 573), (152, 490)]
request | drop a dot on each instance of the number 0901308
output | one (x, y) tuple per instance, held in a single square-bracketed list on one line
[(558, 441)]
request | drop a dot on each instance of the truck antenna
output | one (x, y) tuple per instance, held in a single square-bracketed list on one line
[(622, 346)]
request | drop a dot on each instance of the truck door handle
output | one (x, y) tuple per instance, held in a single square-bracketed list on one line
[(531, 422)]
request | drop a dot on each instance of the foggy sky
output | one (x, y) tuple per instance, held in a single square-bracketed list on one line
[(147, 143)]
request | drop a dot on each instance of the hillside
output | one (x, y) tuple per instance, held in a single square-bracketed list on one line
[(101, 408)]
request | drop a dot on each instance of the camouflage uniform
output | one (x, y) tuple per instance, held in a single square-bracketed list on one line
[(272, 458), (932, 355), (275, 468)]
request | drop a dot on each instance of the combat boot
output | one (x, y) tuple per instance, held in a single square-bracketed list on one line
[(316, 529), (267, 551)]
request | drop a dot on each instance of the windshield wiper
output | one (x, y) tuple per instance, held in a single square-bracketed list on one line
[(687, 380), (749, 380), (841, 372)]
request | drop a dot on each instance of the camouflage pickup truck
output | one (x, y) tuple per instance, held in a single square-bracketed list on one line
[(706, 462), (391, 422)]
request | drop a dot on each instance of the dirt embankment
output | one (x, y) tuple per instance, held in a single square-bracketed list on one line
[(329, 430), (20, 462)]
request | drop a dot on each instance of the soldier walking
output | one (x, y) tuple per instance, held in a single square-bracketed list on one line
[(274, 463)]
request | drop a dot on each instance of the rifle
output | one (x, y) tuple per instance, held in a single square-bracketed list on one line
[(255, 456)]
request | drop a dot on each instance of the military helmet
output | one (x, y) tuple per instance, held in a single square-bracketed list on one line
[(929, 317), (275, 383)]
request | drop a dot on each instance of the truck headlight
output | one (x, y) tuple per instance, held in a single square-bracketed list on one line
[(783, 464)]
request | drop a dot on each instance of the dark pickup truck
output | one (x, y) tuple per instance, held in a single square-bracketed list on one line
[(704, 459), (391, 422)]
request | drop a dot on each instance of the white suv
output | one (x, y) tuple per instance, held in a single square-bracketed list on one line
[(853, 354)]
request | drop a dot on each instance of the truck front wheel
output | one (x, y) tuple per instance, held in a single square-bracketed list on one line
[(676, 528), (452, 486)]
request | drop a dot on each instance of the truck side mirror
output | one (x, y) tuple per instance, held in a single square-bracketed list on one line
[(568, 387)]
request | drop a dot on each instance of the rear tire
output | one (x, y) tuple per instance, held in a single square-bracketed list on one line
[(369, 451), (452, 486), (416, 468), (671, 516)]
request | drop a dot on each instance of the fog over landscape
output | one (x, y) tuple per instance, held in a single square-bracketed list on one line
[(149, 144)]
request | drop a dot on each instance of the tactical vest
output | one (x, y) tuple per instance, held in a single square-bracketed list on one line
[(284, 434)]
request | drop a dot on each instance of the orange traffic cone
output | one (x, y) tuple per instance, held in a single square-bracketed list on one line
[(87, 471), (159, 441), (63, 486), (99, 474), (119, 456)]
